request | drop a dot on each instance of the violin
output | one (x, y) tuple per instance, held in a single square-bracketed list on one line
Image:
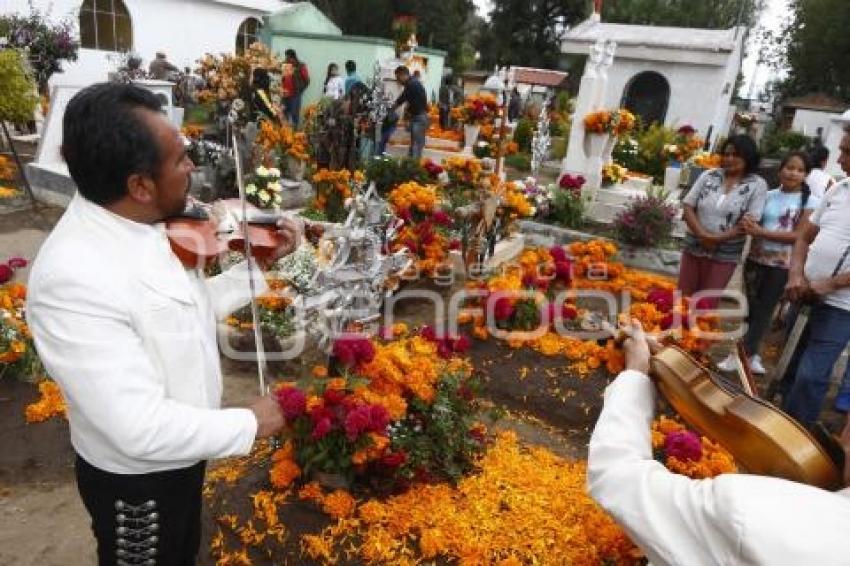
[(761, 437), (198, 236)]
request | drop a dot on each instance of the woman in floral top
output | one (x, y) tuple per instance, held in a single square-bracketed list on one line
[(713, 210), (766, 271)]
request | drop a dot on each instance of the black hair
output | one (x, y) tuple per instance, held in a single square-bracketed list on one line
[(290, 53), (261, 79), (805, 190), (105, 139), (350, 66), (401, 69), (328, 75), (746, 149), (818, 155)]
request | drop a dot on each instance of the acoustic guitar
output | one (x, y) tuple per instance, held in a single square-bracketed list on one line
[(762, 438)]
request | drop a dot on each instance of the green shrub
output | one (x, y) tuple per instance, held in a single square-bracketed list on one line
[(779, 142), (523, 134), (17, 89), (519, 161), (650, 159), (558, 149), (389, 172)]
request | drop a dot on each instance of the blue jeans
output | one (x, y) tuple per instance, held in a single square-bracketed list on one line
[(829, 333), (292, 109), (418, 127)]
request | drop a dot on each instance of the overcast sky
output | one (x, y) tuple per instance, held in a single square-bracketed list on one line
[(755, 77)]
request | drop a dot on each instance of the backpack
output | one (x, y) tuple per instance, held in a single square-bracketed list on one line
[(298, 79)]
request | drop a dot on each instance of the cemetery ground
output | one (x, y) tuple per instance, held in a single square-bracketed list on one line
[(42, 520)]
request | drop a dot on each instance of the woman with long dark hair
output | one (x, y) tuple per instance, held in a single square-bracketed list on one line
[(766, 270), (334, 84), (713, 211)]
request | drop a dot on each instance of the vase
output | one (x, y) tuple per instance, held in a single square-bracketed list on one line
[(596, 144), (608, 150), (470, 136), (294, 168)]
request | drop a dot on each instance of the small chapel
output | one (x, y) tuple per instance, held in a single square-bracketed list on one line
[(670, 75)]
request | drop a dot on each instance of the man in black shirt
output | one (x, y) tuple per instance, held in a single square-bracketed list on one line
[(417, 108)]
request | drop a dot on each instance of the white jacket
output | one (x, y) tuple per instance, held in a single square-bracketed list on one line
[(733, 519), (130, 337)]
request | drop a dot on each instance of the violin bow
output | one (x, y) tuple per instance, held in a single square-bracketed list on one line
[(255, 318)]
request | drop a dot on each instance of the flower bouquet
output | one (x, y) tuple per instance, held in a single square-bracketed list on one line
[(647, 221), (333, 190), (613, 174), (264, 190), (613, 122), (568, 203), (477, 109), (686, 452)]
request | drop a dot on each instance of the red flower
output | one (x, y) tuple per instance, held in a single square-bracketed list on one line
[(569, 312), (405, 215), (477, 433), (357, 421), (353, 350), (322, 428), (6, 273), (667, 321), (444, 349), (462, 344), (441, 218), (17, 262), (558, 253), (333, 396), (503, 309), (379, 418), (344, 354), (563, 270), (570, 182), (528, 280), (428, 333), (292, 402), (394, 459), (662, 299), (683, 445), (454, 244)]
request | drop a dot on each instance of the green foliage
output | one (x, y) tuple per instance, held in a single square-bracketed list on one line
[(779, 142), (564, 103), (812, 48), (311, 213), (647, 221), (568, 207), (558, 149), (17, 91), (519, 161), (713, 14), (523, 133), (626, 152), (650, 159), (388, 172)]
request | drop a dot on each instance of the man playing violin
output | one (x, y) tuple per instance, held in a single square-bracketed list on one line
[(730, 519), (129, 334)]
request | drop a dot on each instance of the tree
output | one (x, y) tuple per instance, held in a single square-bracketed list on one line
[(711, 14), (528, 32), (813, 48)]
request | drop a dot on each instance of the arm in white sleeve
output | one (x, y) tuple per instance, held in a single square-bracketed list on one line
[(89, 346), (231, 289), (671, 517)]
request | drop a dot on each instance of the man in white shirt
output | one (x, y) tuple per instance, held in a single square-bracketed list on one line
[(130, 334), (820, 272), (733, 519), (819, 181)]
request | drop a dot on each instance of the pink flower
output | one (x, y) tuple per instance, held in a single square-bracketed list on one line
[(570, 182), (662, 299), (563, 271), (683, 445), (462, 344), (686, 130), (528, 280), (322, 428), (333, 396), (444, 349), (385, 333), (292, 402), (344, 354), (6, 273), (379, 418), (428, 333), (666, 321), (17, 262), (441, 218)]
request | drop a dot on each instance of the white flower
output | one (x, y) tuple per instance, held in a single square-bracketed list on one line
[(264, 197), (275, 186), (443, 178), (262, 171), (278, 199), (274, 172), (251, 189)]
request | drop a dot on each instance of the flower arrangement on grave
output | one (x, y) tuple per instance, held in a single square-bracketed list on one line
[(333, 189), (539, 195), (388, 172), (264, 189), (686, 145), (521, 298), (228, 77), (647, 221), (613, 122), (478, 109), (685, 452), (18, 357), (280, 140), (706, 159), (613, 174), (48, 44), (427, 230), (515, 203), (49, 404), (276, 314), (400, 409), (568, 203)]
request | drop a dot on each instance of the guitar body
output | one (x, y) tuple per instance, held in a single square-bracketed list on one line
[(763, 439)]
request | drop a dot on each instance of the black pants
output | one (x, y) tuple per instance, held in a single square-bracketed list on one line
[(150, 519), (764, 286)]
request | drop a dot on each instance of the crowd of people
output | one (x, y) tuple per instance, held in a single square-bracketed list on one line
[(799, 250)]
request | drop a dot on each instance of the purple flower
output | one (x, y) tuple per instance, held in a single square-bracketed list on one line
[(683, 445)]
